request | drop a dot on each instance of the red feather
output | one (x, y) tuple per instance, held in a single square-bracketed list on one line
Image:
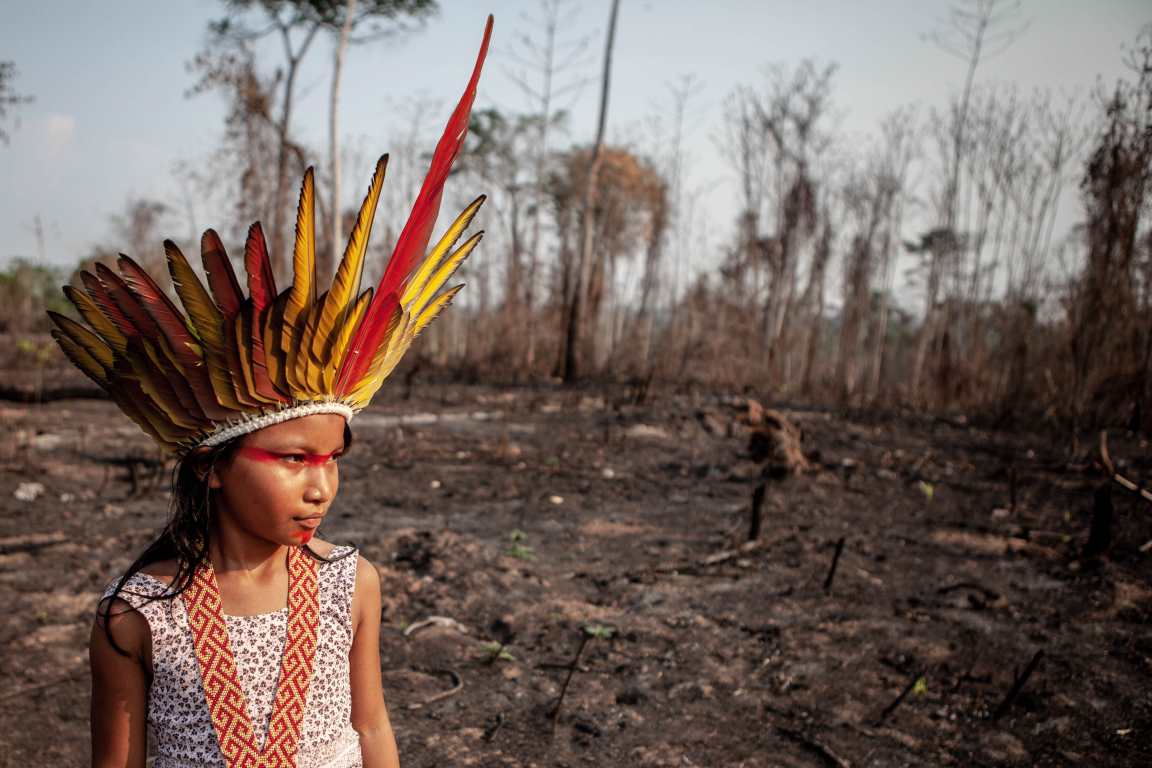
[(359, 359), (116, 291), (168, 320), (221, 277), (261, 281), (99, 295), (143, 330), (413, 240), (261, 379), (172, 330)]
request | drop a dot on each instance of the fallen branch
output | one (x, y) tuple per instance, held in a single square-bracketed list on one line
[(719, 558), (1017, 686), (835, 561), (457, 686), (988, 593), (1100, 527), (48, 395), (435, 621), (22, 692), (1120, 479), (757, 509), (587, 633), (888, 710), (555, 714), (30, 542), (813, 745)]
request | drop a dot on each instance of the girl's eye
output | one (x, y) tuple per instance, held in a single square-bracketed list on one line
[(302, 458)]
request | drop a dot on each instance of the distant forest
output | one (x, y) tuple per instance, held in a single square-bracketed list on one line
[(585, 271)]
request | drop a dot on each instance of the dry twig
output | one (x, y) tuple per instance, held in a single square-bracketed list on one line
[(1120, 479)]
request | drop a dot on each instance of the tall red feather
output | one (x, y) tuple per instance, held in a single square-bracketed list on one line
[(413, 240)]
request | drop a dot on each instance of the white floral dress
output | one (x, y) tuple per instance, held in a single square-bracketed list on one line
[(178, 718)]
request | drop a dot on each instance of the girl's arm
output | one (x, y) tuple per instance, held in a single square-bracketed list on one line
[(369, 715), (119, 689)]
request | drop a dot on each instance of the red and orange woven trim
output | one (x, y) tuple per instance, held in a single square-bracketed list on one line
[(225, 697)]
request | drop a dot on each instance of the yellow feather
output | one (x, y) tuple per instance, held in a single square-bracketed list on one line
[(416, 284), (429, 313), (363, 390), (271, 329), (346, 282), (92, 344), (344, 337), (304, 254), (95, 318), (301, 363), (241, 348), (302, 294), (206, 322), (129, 395), (395, 354), (80, 357), (157, 386), (397, 346), (168, 375), (444, 273)]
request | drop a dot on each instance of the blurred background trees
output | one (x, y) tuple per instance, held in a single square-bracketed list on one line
[(920, 267)]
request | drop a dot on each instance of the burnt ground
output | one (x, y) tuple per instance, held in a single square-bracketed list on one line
[(528, 515)]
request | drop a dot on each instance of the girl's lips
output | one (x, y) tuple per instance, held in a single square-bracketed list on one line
[(310, 523)]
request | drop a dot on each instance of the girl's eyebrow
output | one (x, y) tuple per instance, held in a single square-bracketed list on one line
[(265, 454)]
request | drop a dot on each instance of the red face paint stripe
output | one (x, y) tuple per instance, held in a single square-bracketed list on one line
[(311, 459)]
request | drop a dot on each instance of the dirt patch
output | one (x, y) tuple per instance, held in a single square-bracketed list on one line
[(527, 517)]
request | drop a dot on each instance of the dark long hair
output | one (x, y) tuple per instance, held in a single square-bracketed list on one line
[(185, 536)]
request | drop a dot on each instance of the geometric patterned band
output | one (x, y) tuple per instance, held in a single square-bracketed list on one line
[(227, 704)]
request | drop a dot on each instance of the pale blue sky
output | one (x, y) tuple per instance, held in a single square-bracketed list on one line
[(110, 119)]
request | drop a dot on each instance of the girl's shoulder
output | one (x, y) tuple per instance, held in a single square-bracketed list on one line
[(330, 552)]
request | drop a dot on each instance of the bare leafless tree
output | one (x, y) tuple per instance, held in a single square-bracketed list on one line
[(9, 98), (574, 335)]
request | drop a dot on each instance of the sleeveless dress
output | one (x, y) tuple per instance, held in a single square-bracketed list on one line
[(178, 717)]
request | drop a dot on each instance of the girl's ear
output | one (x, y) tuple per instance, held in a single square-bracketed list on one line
[(205, 470)]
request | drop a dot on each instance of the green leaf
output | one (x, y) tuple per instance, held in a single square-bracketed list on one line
[(598, 631), (520, 552)]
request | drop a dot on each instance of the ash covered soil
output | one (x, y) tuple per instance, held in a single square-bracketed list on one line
[(540, 520)]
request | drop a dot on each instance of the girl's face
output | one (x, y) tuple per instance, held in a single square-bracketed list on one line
[(281, 479)]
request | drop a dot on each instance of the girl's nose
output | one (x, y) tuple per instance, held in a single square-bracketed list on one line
[(320, 486)]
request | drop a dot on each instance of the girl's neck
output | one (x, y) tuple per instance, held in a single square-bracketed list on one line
[(233, 550)]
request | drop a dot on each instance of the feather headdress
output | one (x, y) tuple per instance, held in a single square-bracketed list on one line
[(232, 364)]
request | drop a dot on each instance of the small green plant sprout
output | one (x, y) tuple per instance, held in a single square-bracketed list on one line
[(927, 489), (520, 552), (497, 652), (599, 632), (920, 687), (518, 549)]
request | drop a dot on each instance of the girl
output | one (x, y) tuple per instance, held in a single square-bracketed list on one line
[(238, 638), (267, 493)]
